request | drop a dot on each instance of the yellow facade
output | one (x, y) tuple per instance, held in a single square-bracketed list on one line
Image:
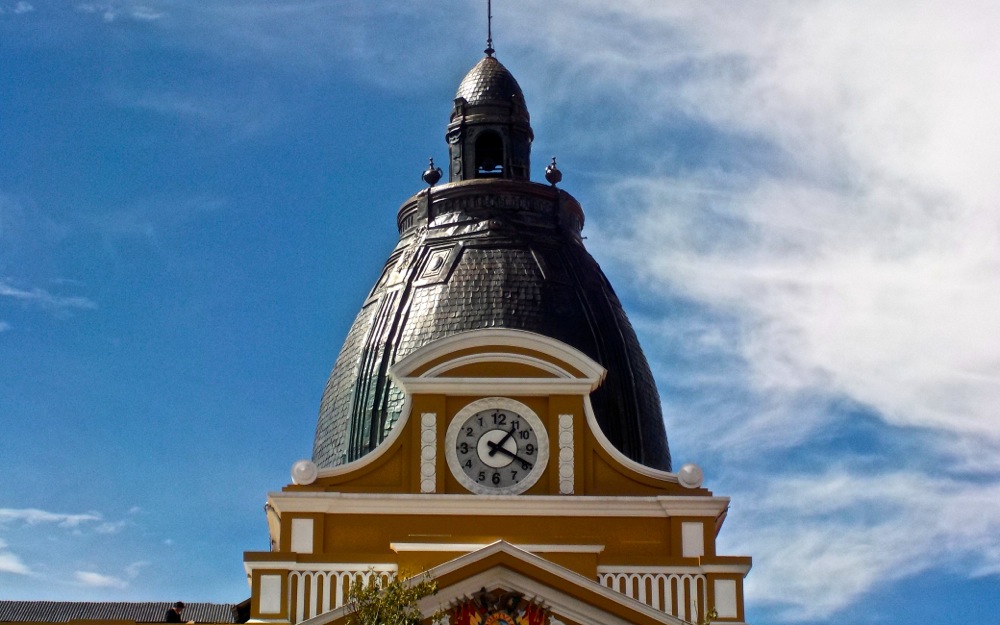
[(592, 522)]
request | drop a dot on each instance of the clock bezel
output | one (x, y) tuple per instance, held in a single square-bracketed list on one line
[(496, 403)]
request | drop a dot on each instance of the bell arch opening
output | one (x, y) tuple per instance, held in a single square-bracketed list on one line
[(489, 155)]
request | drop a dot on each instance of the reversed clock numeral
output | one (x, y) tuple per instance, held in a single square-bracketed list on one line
[(524, 434), (463, 448), (482, 476), (469, 432), (529, 449), (468, 464), (513, 475), (499, 418)]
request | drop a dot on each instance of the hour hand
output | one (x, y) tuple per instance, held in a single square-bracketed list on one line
[(495, 447)]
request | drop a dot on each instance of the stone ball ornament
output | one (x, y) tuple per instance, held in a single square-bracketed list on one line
[(304, 472), (690, 476)]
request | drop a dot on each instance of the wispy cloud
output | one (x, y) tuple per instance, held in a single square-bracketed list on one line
[(826, 548), (4, 326), (98, 580), (11, 563), (111, 12), (37, 296), (34, 516)]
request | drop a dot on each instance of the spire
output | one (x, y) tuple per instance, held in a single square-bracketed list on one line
[(489, 29)]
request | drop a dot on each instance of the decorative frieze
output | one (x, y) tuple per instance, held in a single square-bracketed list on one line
[(428, 452), (680, 594), (567, 468)]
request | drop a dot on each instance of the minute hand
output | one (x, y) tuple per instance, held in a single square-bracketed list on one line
[(495, 447)]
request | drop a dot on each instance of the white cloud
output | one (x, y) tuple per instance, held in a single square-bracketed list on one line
[(109, 527), (34, 516), (11, 563), (23, 7), (4, 326), (98, 580), (43, 298), (132, 571), (826, 545)]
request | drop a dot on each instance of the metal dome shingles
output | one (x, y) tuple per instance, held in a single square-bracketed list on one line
[(529, 273), (489, 81)]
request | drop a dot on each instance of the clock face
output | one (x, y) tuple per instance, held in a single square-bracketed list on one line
[(497, 446)]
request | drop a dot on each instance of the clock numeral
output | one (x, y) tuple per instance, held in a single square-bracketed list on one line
[(496, 478), (529, 449), (469, 433), (515, 425), (524, 434), (480, 419), (525, 466), (513, 475), (468, 464), (482, 476), (463, 448), (499, 418)]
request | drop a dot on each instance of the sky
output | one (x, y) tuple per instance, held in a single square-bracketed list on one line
[(797, 202)]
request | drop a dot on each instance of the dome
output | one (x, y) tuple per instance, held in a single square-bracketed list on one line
[(489, 82), (489, 249)]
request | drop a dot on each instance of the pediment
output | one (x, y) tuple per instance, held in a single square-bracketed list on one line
[(570, 598)]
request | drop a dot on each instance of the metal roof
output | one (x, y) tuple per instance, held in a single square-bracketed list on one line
[(140, 612)]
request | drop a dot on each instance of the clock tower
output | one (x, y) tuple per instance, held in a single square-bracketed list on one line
[(491, 421)]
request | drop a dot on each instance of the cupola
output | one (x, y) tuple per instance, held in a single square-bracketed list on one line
[(489, 135)]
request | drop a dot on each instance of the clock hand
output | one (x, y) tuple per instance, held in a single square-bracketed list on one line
[(495, 448)]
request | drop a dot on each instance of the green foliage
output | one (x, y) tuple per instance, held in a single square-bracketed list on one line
[(393, 602)]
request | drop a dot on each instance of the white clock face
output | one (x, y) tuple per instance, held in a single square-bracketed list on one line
[(497, 446)]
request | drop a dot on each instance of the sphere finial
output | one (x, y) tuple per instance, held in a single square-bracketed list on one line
[(432, 174), (552, 173)]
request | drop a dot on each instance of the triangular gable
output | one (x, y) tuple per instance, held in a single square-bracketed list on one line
[(571, 598)]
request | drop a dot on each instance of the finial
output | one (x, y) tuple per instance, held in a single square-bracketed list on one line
[(489, 28), (552, 173), (433, 174)]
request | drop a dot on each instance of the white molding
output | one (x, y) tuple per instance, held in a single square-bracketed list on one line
[(605, 444), (523, 359), (320, 567), (375, 454), (502, 403), (506, 505), (501, 337), (567, 464), (618, 569), (428, 452), (469, 547), (741, 569), (497, 386)]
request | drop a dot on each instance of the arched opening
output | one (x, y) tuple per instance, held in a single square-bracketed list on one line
[(489, 155)]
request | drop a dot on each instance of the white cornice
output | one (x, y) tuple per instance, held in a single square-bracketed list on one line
[(467, 547), (497, 505), (498, 337), (497, 386)]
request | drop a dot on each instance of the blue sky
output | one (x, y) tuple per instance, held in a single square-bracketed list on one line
[(797, 202)]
